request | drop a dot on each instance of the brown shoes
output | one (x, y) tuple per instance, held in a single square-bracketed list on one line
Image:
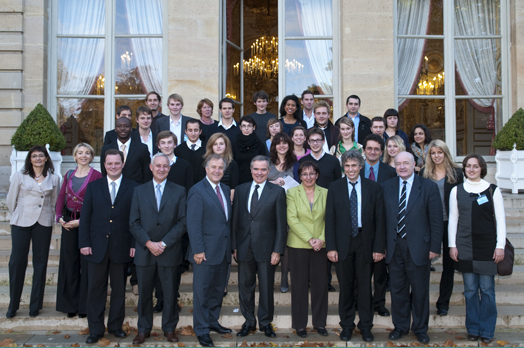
[(171, 336), (141, 338)]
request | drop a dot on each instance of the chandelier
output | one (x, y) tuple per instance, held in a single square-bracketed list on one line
[(430, 84)]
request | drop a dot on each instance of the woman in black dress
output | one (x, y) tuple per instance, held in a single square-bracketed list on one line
[(248, 146)]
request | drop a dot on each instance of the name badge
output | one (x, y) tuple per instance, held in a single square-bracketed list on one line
[(482, 199)]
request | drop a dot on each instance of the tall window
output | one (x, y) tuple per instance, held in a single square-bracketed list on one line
[(108, 53), (451, 63)]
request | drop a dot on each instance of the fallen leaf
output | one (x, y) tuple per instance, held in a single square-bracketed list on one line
[(390, 344), (56, 332), (9, 331), (271, 344), (135, 309), (244, 344), (181, 305), (285, 336), (459, 337), (116, 345), (66, 336), (450, 332), (13, 345), (187, 331), (448, 343), (27, 345), (228, 336), (154, 334), (40, 345), (6, 342), (104, 342), (415, 344), (502, 343), (390, 331), (84, 331), (158, 338), (190, 310), (180, 344), (75, 345)]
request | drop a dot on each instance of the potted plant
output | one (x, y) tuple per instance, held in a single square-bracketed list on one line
[(38, 128), (509, 143)]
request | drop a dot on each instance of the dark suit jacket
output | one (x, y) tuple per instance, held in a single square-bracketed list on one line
[(364, 128), (209, 231), (332, 134), (112, 137), (265, 228), (424, 222), (181, 173), (338, 218), (385, 172), (136, 167), (162, 124), (104, 225), (167, 224), (153, 121)]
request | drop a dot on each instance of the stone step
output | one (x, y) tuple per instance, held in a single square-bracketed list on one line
[(507, 294), (5, 242), (514, 213), (54, 258), (508, 317), (513, 200)]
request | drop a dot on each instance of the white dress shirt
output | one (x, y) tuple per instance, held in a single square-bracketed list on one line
[(409, 185), (198, 144), (176, 127), (251, 190), (358, 188), (117, 186), (320, 157), (226, 128), (148, 142), (221, 192), (310, 121)]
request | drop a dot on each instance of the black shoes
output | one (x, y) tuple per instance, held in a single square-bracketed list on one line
[(118, 333), (220, 329), (159, 307), (10, 314), (395, 334), (205, 340), (346, 334), (81, 316), (34, 314), (486, 340), (423, 338), (302, 333), (442, 312), (246, 330), (321, 330), (71, 315), (473, 338), (268, 331), (382, 311), (93, 338), (331, 288), (367, 336)]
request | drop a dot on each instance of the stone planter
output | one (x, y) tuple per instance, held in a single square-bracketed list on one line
[(18, 161), (510, 169)]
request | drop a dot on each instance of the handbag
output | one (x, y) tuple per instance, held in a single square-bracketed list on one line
[(504, 267)]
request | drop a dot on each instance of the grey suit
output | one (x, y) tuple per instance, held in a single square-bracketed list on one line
[(209, 232), (256, 235), (167, 224), (162, 124)]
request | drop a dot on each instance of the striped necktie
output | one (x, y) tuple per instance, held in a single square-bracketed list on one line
[(402, 212)]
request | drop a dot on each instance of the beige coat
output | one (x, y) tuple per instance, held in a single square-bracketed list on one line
[(30, 203)]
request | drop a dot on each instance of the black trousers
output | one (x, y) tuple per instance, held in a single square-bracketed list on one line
[(71, 292), (380, 281), (146, 283), (97, 274), (448, 273), (409, 290), (247, 279), (308, 271), (355, 268), (21, 238)]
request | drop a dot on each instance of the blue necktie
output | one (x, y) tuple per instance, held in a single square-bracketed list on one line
[(158, 196), (353, 204)]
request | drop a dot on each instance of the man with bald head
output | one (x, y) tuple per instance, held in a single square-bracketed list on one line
[(414, 227)]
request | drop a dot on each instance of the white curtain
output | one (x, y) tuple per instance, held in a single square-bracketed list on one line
[(316, 20), (413, 18), (79, 59), (145, 17)]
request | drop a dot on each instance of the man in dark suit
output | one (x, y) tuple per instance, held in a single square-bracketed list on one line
[(136, 155), (209, 229), (107, 245), (122, 111), (146, 135), (193, 149), (227, 124), (376, 170), (414, 226), (378, 126), (259, 238), (158, 222), (361, 122), (153, 102), (355, 239), (175, 122), (322, 122)]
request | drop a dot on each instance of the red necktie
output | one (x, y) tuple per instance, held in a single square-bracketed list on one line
[(220, 197), (371, 174)]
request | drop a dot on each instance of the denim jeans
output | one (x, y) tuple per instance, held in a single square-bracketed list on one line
[(481, 308)]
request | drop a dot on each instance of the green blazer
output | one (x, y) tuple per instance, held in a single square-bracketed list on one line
[(305, 224)]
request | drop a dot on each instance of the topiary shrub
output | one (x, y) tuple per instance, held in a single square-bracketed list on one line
[(511, 133), (38, 128)]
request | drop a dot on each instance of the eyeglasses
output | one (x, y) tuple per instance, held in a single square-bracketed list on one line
[(316, 141)]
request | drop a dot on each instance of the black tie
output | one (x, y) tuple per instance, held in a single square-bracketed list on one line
[(402, 212), (193, 147), (353, 204), (254, 200)]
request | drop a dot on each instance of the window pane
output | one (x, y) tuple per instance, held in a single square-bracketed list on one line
[(233, 73), (475, 125), (233, 21), (81, 17), (138, 65), (81, 120), (420, 67), (133, 103), (420, 17), (478, 66), (308, 65), (309, 18), (423, 111), (80, 65), (138, 17), (477, 17)]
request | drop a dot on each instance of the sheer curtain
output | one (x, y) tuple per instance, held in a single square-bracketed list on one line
[(145, 17), (79, 59), (316, 20), (413, 19)]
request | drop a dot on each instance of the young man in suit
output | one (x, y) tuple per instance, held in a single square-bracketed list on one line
[(136, 155), (322, 122), (209, 229), (378, 126), (376, 170), (355, 203), (153, 101), (122, 111), (361, 122), (158, 222), (175, 122), (147, 137), (414, 226), (308, 101), (107, 245), (193, 149), (259, 237), (227, 123)]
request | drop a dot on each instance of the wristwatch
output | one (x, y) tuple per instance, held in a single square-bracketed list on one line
[(163, 244)]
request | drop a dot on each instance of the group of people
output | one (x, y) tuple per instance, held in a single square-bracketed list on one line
[(296, 190)]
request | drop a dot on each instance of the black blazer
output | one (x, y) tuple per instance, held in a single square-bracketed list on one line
[(364, 127), (112, 137), (385, 172), (208, 229), (136, 167), (332, 134), (167, 224), (104, 225), (181, 173), (424, 222), (338, 219), (265, 228), (153, 121), (448, 186), (162, 124)]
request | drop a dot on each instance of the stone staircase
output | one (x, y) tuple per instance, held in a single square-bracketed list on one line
[(42, 329)]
